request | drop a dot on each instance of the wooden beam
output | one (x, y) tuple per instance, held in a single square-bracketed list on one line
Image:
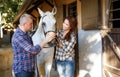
[(103, 16), (35, 5), (49, 3)]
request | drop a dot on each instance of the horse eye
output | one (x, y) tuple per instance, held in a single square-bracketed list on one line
[(43, 24)]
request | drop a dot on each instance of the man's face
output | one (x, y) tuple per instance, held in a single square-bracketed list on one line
[(29, 24)]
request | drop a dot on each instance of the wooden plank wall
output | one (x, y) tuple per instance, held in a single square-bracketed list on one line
[(89, 9)]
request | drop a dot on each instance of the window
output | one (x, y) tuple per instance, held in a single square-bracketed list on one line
[(116, 14), (72, 9)]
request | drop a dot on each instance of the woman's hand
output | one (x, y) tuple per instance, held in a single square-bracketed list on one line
[(60, 44)]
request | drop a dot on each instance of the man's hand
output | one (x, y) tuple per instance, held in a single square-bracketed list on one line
[(50, 36)]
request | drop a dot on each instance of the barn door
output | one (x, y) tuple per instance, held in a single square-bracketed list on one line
[(110, 60)]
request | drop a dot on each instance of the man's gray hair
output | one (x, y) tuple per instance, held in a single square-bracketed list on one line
[(23, 18)]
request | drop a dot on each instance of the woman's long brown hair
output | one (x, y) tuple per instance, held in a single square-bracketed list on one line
[(73, 24)]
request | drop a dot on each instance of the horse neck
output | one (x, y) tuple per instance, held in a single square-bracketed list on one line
[(40, 29)]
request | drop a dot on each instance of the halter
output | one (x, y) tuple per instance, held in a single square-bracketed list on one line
[(46, 33), (43, 27)]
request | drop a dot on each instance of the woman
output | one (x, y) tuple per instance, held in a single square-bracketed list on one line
[(65, 49)]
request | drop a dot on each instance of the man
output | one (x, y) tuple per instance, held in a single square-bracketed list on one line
[(24, 51)]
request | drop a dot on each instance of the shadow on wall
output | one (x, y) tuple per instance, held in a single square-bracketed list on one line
[(90, 52)]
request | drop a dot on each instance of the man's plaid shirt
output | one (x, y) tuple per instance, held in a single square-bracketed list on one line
[(67, 49), (24, 52)]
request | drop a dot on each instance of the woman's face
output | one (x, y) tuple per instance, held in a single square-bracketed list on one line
[(66, 25)]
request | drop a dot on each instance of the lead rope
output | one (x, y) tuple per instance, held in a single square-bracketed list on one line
[(116, 51), (114, 47)]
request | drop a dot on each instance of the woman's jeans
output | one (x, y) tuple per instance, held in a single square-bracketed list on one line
[(25, 74), (66, 68)]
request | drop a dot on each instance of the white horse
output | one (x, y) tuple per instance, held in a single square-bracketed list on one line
[(45, 57)]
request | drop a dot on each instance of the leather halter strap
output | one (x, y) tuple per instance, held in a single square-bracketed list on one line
[(46, 32)]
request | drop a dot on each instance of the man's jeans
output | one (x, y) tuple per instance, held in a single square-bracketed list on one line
[(25, 74), (66, 68)]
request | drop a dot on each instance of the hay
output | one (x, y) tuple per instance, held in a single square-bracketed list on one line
[(6, 58)]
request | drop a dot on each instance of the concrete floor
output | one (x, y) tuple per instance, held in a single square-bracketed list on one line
[(54, 73)]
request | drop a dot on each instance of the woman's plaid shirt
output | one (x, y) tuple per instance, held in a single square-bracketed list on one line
[(67, 50), (24, 52)]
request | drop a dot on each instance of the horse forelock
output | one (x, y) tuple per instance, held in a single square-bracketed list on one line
[(49, 19)]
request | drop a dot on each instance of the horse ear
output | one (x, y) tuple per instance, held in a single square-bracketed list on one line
[(54, 10), (40, 12)]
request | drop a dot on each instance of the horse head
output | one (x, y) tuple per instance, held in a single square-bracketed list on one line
[(48, 20), (46, 24)]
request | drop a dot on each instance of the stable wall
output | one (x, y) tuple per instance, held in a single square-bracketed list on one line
[(89, 39), (90, 53), (89, 14)]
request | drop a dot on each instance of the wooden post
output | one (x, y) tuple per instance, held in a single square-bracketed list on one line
[(103, 15)]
